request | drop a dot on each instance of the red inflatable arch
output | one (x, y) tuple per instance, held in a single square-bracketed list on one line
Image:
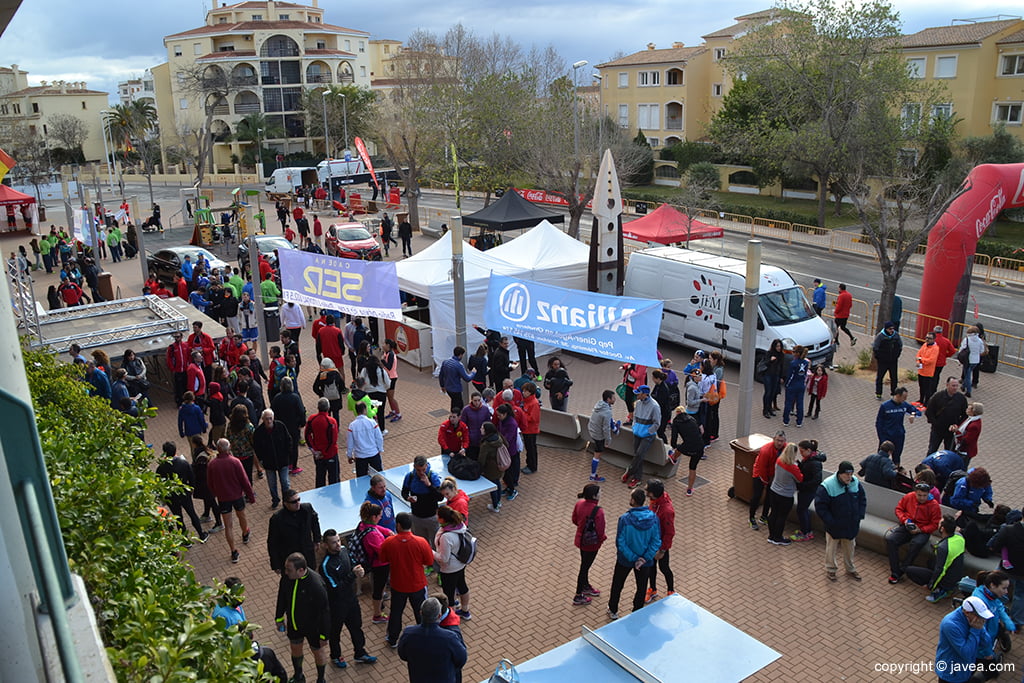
[(988, 190)]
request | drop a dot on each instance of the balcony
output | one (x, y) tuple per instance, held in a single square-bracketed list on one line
[(673, 124), (319, 78)]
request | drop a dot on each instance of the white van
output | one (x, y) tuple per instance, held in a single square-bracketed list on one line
[(703, 296), (338, 168), (285, 180)]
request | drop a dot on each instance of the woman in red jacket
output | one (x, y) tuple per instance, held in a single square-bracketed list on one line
[(588, 517), (817, 387), (968, 432), (530, 427), (455, 498)]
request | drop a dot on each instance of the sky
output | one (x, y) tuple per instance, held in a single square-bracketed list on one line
[(106, 42)]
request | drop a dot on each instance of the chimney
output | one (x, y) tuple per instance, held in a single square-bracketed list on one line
[(271, 10), (43, 84), (651, 46), (677, 45), (63, 87)]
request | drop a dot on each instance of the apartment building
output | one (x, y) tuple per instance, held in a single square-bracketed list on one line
[(137, 89), (268, 52)]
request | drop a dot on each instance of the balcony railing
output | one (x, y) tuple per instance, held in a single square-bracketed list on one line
[(318, 78), (247, 107), (673, 124)]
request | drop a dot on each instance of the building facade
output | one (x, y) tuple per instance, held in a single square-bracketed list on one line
[(265, 54), (137, 89)]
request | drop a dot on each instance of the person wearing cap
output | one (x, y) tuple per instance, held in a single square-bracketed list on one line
[(919, 515), (889, 421), (886, 349), (818, 297), (946, 351), (962, 636), (841, 503), (646, 418)]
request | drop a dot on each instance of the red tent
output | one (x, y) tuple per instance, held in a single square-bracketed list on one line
[(8, 195), (665, 225)]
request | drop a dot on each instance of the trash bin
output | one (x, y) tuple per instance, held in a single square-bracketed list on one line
[(42, 213), (744, 451), (272, 323), (990, 361), (106, 286)]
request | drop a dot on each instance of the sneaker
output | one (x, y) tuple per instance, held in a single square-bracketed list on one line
[(339, 663), (893, 579), (612, 615), (591, 591), (781, 541), (380, 619), (689, 492), (581, 600), (390, 644), (625, 476), (651, 596), (384, 433), (1006, 564), (670, 593), (594, 477), (939, 595), (763, 519), (633, 483), (754, 526), (214, 529), (204, 536), (878, 397), (297, 470), (205, 519), (396, 417), (855, 576), (259, 475), (798, 536), (527, 470), (273, 506), (513, 495), (831, 576), (234, 557), (853, 342), (464, 613), (365, 659), (245, 536), (494, 508), (390, 415)]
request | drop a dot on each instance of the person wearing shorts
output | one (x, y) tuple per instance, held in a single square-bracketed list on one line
[(304, 613), (600, 430), (226, 479), (685, 428)]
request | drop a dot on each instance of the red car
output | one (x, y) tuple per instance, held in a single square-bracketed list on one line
[(352, 240)]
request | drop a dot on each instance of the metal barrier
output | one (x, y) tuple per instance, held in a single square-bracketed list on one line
[(859, 312), (1011, 348), (908, 323), (1005, 269)]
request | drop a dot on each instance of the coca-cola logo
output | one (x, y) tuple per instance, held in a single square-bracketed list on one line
[(1018, 196), (995, 205)]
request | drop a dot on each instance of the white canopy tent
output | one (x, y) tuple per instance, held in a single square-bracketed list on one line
[(544, 254)]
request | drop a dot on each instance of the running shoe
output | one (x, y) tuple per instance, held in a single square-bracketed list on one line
[(513, 495), (380, 619), (396, 417), (246, 535), (339, 663), (612, 615), (689, 492), (581, 600), (754, 526), (365, 659), (494, 508), (650, 596), (217, 527), (594, 477), (234, 557), (464, 613), (591, 591)]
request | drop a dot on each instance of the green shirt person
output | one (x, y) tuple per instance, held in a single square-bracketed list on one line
[(262, 218), (270, 291), (236, 283)]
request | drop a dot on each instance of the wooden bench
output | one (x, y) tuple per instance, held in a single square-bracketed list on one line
[(559, 430), (620, 452)]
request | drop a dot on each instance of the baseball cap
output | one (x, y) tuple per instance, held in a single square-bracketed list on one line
[(845, 466), (921, 486), (642, 389), (978, 606), (700, 353)]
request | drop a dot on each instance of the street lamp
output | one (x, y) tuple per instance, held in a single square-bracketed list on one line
[(259, 153), (106, 150), (576, 109), (344, 112), (327, 133), (600, 111)]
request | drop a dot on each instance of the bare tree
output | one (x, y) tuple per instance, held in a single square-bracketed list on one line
[(210, 86), (68, 131)]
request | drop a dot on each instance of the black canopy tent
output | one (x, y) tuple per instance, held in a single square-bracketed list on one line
[(511, 212)]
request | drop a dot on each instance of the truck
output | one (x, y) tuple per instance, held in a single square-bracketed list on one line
[(285, 180), (703, 302), (339, 168)]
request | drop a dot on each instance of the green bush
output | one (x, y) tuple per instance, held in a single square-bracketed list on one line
[(704, 175), (769, 214), (153, 616), (864, 358), (998, 249), (845, 369)]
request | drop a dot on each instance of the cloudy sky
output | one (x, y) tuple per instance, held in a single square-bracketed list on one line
[(104, 42)]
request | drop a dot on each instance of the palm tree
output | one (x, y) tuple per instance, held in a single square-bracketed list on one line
[(255, 128), (133, 127)]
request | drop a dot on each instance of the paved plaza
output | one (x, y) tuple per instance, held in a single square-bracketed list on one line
[(523, 578)]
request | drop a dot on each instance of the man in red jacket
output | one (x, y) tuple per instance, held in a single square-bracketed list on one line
[(764, 472), (322, 439), (530, 427), (200, 341), (919, 515), (453, 435), (330, 343), (844, 303), (661, 506), (408, 555), (178, 356), (225, 476)]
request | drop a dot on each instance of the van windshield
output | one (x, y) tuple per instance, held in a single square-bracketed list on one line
[(785, 307)]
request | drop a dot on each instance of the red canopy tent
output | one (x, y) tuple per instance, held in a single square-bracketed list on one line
[(665, 225), (8, 196)]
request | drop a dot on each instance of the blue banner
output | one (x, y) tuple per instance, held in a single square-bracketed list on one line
[(612, 327), (351, 286)]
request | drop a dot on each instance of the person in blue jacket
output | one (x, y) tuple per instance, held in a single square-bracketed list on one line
[(993, 588), (637, 539), (971, 490), (818, 301), (98, 379), (889, 421), (451, 376), (962, 636), (943, 464)]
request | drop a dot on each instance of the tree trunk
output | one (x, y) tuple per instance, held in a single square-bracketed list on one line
[(412, 191), (890, 278), (575, 214), (822, 203)]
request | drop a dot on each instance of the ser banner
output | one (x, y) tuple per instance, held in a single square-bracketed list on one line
[(612, 327), (351, 286)]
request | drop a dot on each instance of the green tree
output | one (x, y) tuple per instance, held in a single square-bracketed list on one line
[(349, 111), (133, 128), (254, 128)]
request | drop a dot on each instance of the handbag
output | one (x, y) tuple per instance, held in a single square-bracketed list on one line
[(505, 672), (964, 356), (621, 390), (463, 467)]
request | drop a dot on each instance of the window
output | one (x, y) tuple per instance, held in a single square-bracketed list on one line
[(1013, 65), (16, 108), (784, 306), (648, 116), (226, 48), (736, 305), (387, 49), (257, 17), (910, 116), (321, 44), (197, 48), (223, 20), (716, 89), (653, 142), (1004, 113), (35, 107), (183, 103), (348, 46), (675, 77), (624, 80), (283, 17), (916, 67), (945, 67), (362, 71), (3, 109), (177, 50), (648, 78), (942, 112), (362, 46), (623, 116), (719, 53)]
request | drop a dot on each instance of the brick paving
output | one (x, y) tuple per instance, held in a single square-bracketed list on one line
[(522, 581)]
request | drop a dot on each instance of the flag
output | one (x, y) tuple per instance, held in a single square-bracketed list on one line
[(6, 163), (361, 148)]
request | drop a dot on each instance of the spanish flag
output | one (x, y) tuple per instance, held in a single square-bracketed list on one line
[(6, 164)]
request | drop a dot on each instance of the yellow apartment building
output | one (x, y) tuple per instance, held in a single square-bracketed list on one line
[(270, 52)]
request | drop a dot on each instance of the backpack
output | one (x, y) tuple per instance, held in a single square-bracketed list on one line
[(504, 458), (466, 552), (589, 537), (950, 487), (463, 467), (356, 551), (331, 392)]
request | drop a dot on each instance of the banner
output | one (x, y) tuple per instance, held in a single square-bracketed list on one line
[(361, 148), (542, 197), (352, 286), (614, 327)]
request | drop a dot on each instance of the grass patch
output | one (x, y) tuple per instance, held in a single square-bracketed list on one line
[(864, 359), (909, 376), (845, 369)]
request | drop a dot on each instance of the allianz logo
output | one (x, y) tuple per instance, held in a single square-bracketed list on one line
[(516, 305)]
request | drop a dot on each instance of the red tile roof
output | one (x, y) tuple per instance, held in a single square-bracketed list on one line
[(253, 26), (958, 34), (669, 55)]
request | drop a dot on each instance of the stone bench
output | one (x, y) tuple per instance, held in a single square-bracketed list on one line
[(431, 231), (620, 452), (559, 430)]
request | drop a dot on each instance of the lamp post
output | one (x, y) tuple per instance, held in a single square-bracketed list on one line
[(327, 132), (344, 113), (600, 111), (259, 153), (106, 150), (576, 109)]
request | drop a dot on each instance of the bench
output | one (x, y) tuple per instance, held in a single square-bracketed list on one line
[(559, 430), (431, 231), (620, 452)]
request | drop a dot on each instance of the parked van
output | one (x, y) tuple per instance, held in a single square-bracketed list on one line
[(703, 296), (285, 180), (339, 168)]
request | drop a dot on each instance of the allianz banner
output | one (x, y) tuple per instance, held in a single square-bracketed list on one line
[(339, 284), (615, 327)]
